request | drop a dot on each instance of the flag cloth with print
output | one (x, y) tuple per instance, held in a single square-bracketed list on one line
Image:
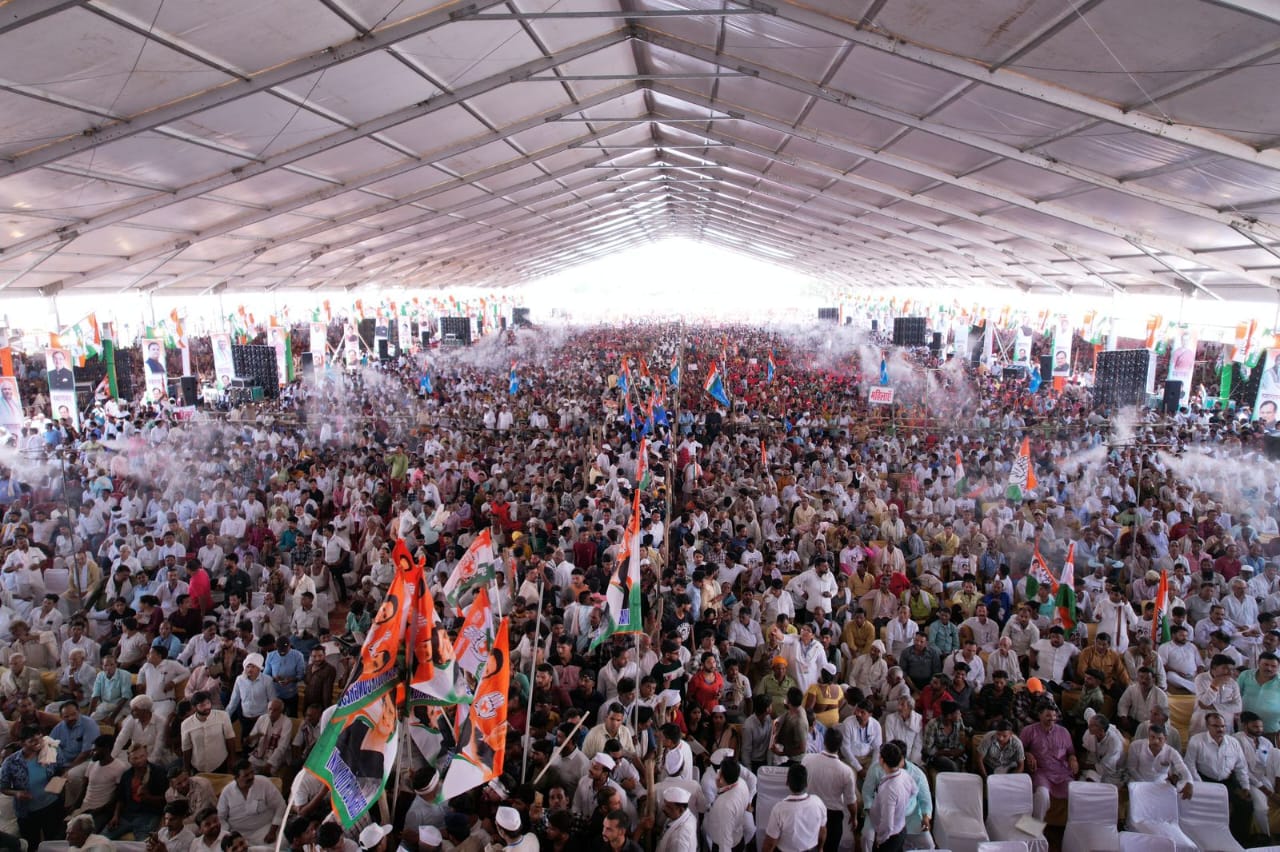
[(714, 387), (513, 381), (673, 378), (482, 727), (884, 371), (1038, 574), (622, 598), (356, 752), (624, 378), (433, 675), (1160, 617), (1022, 479), (771, 369), (476, 568), (475, 637), (1066, 598), (962, 479)]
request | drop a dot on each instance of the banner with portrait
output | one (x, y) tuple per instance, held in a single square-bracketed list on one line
[(154, 370), (351, 346), (11, 412), (961, 341), (224, 365), (1062, 335), (318, 345), (1182, 361), (1022, 349), (404, 335), (62, 404), (1268, 400), (275, 339), (57, 365)]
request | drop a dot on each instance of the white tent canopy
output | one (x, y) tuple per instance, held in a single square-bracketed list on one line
[(200, 146)]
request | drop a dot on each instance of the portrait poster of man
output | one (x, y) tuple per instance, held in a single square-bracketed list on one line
[(1062, 347), (351, 346), (319, 345), (11, 414), (275, 337), (224, 367), (62, 404), (1022, 349), (1265, 406), (58, 368), (1182, 361), (154, 370)]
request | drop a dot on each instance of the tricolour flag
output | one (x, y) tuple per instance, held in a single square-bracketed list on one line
[(1022, 478), (714, 387), (482, 727), (476, 568), (1039, 575), (1160, 617), (962, 479), (356, 752), (624, 378), (770, 369), (622, 598), (1066, 598), (673, 378), (475, 637)]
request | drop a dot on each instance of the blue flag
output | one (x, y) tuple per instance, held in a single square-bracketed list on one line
[(674, 376), (1034, 384), (715, 387), (660, 416), (770, 369), (513, 382), (425, 384), (884, 372)]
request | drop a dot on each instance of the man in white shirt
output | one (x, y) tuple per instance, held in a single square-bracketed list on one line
[(1257, 753), (832, 781), (1050, 658), (1138, 699), (251, 805), (102, 777), (159, 679), (799, 822), (1151, 758), (1182, 660), (268, 742), (894, 795), (681, 832), (1115, 615), (861, 736), (726, 824), (1104, 748), (1214, 756)]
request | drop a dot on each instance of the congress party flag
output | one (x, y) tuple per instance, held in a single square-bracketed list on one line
[(355, 753), (476, 568), (432, 670), (1066, 598), (1160, 618), (622, 599), (482, 727), (714, 387), (771, 369), (1022, 478), (475, 637)]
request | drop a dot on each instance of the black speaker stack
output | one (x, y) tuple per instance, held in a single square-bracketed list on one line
[(455, 331), (384, 351), (183, 389), (909, 331), (520, 316), (1121, 378), (1046, 367), (829, 314), (935, 345), (258, 365), (1172, 396), (365, 329)]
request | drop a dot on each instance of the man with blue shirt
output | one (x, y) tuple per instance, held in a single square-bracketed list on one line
[(75, 735), (286, 667)]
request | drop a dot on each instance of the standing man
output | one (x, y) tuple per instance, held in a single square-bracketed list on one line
[(681, 832), (894, 796), (835, 784), (799, 822)]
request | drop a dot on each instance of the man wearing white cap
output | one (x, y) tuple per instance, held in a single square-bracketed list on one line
[(678, 762), (514, 839), (373, 838), (681, 833), (596, 779), (252, 693), (429, 839), (711, 782)]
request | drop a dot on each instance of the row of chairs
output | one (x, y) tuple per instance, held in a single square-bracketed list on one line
[(1158, 819)]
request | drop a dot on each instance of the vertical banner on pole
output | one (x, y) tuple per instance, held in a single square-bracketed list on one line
[(276, 338), (1265, 406), (155, 370), (404, 334), (319, 353), (11, 415), (224, 368), (1062, 347), (1022, 349), (62, 387), (1182, 362)]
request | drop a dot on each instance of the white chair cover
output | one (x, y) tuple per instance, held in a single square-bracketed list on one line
[(1200, 818), (57, 580), (1153, 809), (1002, 846), (771, 788), (957, 813), (1092, 813), (1132, 841), (1009, 798)]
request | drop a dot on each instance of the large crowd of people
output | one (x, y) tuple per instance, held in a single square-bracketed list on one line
[(843, 591)]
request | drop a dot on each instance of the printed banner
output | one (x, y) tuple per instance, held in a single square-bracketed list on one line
[(1022, 350), (476, 568), (154, 370), (63, 406), (11, 415), (1062, 347), (224, 367), (475, 637), (960, 345), (275, 338), (1182, 362), (1264, 407), (351, 346), (880, 396), (482, 727), (404, 335)]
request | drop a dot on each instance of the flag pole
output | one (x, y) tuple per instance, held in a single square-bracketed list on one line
[(402, 723), (533, 667), (555, 754), (284, 819)]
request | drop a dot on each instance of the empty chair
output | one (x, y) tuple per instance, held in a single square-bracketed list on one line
[(1133, 841), (1153, 809), (1009, 798), (1200, 818), (957, 814), (1003, 846), (1092, 813)]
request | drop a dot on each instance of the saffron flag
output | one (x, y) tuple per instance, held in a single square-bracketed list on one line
[(482, 727), (1066, 598), (624, 378), (356, 751), (764, 454), (475, 637), (1159, 618), (432, 671), (1022, 478), (476, 568), (714, 387)]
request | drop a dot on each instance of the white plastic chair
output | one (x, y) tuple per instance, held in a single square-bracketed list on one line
[(57, 581), (1200, 818), (1133, 841), (771, 788), (1092, 813), (957, 812), (1003, 846), (1153, 809), (1009, 798)]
